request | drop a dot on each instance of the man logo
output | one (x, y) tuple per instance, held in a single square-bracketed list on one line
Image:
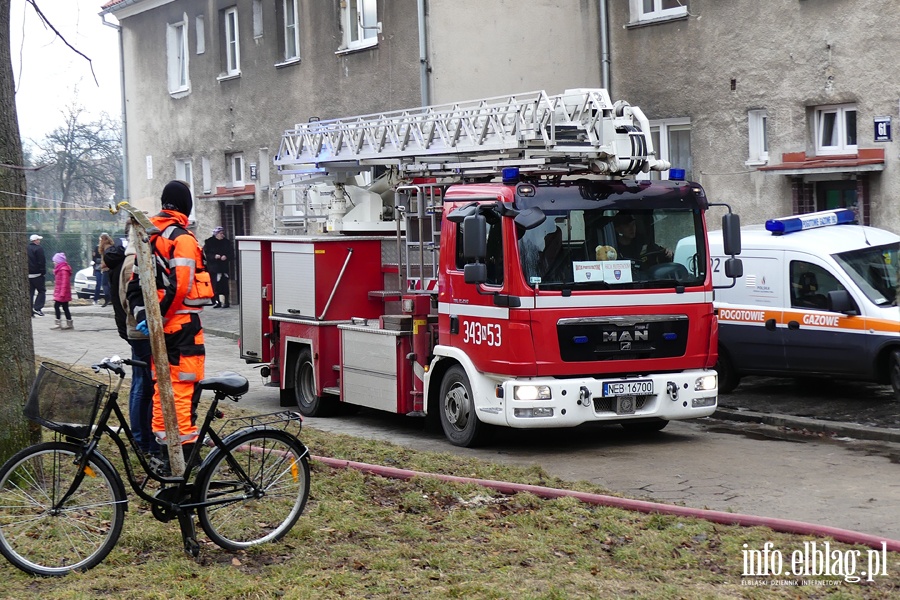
[(624, 345), (626, 336)]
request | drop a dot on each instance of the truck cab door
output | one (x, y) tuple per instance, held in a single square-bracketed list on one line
[(816, 340), (482, 319)]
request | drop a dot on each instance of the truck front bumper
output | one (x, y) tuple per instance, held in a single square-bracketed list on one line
[(549, 402)]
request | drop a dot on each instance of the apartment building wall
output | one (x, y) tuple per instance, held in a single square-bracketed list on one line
[(474, 49), (717, 61), (481, 48), (219, 115)]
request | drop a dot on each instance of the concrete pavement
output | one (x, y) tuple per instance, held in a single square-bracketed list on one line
[(850, 484)]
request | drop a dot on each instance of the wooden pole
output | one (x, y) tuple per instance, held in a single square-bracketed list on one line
[(141, 228)]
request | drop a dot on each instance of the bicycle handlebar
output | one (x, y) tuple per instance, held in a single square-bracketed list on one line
[(114, 363)]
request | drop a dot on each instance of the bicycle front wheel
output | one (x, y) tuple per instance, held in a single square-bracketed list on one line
[(256, 487), (76, 536)]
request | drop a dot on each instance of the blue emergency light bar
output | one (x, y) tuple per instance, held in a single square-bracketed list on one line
[(824, 218)]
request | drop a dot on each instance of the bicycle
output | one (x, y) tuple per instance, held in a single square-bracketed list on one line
[(63, 503)]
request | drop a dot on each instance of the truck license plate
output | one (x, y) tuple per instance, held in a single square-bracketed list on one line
[(640, 387)]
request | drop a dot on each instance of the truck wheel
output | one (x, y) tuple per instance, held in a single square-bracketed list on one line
[(308, 402), (895, 373), (728, 377), (457, 410)]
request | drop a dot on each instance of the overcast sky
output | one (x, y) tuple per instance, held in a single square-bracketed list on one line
[(50, 76)]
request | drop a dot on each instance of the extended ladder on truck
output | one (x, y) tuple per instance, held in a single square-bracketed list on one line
[(579, 131)]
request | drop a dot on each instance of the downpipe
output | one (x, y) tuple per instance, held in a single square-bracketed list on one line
[(725, 518)]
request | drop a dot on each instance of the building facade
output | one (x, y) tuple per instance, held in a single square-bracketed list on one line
[(777, 108), (211, 85)]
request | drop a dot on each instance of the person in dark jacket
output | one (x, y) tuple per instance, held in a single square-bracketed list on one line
[(37, 275), (120, 264), (218, 253)]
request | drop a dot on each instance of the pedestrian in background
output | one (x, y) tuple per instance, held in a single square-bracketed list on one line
[(218, 252), (120, 262), (37, 273), (62, 290), (96, 259), (106, 242)]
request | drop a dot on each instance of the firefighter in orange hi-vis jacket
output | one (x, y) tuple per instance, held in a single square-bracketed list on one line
[(178, 261)]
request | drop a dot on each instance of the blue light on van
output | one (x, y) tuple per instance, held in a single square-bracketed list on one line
[(824, 218)]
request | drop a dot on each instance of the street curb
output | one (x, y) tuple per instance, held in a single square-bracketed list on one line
[(852, 430)]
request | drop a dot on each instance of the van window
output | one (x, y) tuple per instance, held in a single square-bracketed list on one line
[(874, 270), (810, 285)]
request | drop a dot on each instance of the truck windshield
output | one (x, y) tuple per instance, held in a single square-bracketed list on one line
[(874, 270), (615, 249)]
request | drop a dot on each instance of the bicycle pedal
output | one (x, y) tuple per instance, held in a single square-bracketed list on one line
[(160, 466)]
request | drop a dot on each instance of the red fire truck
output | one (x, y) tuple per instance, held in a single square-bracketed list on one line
[(529, 277)]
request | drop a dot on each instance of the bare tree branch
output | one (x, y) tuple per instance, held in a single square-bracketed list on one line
[(60, 36)]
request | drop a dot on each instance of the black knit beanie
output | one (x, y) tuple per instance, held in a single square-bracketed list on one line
[(177, 196)]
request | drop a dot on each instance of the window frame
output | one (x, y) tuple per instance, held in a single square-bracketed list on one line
[(662, 128), (237, 173), (178, 57), (200, 26), (841, 113), (232, 42), (291, 7), (757, 129), (359, 28), (184, 171), (657, 13)]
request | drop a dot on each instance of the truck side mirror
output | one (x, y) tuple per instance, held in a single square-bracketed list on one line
[(474, 237), (731, 233), (840, 301), (475, 273), (734, 268)]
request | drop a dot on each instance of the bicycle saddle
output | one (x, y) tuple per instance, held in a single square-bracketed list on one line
[(228, 382)]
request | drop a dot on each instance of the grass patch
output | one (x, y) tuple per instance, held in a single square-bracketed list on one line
[(364, 536)]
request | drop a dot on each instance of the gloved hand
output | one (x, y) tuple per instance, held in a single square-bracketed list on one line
[(142, 327)]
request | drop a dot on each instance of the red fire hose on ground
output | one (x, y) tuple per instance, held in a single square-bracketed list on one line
[(715, 516)]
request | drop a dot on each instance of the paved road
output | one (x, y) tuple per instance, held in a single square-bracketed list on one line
[(707, 464)]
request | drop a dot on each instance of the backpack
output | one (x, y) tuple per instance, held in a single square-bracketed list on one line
[(200, 292)]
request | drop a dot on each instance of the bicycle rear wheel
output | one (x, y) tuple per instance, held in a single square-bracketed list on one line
[(78, 535), (259, 483)]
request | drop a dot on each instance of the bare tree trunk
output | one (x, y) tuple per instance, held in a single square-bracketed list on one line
[(16, 344)]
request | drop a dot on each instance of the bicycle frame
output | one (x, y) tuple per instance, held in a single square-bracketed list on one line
[(182, 485), (64, 502)]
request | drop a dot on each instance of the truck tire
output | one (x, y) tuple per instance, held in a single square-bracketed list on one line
[(457, 410), (309, 404), (895, 373), (728, 377)]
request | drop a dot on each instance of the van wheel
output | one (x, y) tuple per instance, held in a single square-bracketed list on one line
[(895, 373), (309, 404), (728, 377), (457, 410)]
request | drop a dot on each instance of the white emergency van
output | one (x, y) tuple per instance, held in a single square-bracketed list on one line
[(818, 297)]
